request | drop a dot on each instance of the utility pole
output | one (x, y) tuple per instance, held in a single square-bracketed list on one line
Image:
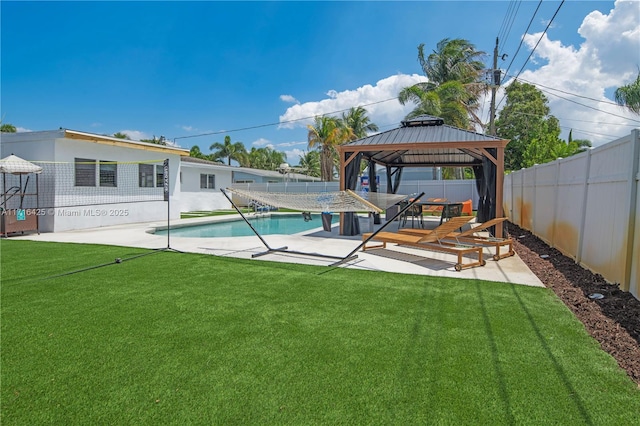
[(495, 83)]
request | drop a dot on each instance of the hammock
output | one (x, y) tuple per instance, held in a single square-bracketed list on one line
[(334, 202), (342, 201)]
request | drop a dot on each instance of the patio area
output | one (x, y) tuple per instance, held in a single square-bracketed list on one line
[(398, 259)]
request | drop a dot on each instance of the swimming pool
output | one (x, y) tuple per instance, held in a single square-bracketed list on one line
[(274, 224)]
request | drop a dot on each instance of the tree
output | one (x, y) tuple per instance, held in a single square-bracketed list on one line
[(265, 158), (629, 95), (310, 163), (228, 150), (525, 120), (121, 135), (196, 153), (360, 124), (325, 134), (533, 132), (8, 128), (455, 84), (158, 141), (573, 146)]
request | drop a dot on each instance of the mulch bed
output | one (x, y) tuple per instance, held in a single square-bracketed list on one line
[(613, 320)]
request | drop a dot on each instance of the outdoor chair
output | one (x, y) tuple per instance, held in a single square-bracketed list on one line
[(471, 236), (451, 210), (435, 240), (467, 207)]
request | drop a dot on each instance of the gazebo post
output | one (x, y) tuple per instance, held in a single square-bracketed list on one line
[(499, 189), (343, 166)]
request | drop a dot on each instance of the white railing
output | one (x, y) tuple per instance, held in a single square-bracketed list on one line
[(587, 207)]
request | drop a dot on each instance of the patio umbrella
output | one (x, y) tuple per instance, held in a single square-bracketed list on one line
[(17, 166)]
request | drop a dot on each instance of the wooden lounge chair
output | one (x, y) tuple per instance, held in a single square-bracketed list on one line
[(471, 237), (434, 241)]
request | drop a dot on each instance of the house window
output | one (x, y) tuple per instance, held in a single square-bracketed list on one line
[(85, 172), (145, 175), (243, 181), (108, 173), (159, 175), (207, 181)]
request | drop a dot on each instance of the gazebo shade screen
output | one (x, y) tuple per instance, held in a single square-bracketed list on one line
[(425, 141)]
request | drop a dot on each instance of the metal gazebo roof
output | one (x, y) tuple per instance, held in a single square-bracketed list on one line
[(425, 141)]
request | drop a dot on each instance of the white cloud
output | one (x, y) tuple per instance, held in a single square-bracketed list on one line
[(293, 156), (261, 142), (604, 61), (187, 128), (22, 129), (288, 144), (379, 100), (289, 98)]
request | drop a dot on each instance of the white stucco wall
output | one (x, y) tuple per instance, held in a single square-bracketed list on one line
[(73, 207), (194, 198)]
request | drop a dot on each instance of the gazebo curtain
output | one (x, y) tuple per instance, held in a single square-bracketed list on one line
[(486, 185), (393, 184), (352, 170), (373, 187)]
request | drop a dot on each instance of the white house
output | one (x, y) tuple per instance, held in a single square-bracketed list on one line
[(91, 180), (201, 181)]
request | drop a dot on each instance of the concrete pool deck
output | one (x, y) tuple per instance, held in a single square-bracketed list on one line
[(397, 259)]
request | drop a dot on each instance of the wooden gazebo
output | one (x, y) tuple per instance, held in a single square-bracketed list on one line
[(425, 141)]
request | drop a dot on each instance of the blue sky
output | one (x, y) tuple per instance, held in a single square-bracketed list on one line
[(181, 69)]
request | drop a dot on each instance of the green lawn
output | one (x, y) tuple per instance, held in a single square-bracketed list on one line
[(173, 338)]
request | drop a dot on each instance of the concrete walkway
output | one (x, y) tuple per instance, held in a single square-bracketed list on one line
[(394, 258)]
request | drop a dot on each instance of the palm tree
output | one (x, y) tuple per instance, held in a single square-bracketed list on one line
[(326, 133), (265, 158), (196, 153), (228, 150), (8, 128), (121, 135), (361, 125), (454, 87), (310, 163), (629, 95)]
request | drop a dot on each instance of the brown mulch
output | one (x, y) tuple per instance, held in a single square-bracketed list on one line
[(613, 320)]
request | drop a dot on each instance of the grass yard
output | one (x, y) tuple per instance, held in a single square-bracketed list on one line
[(173, 338)]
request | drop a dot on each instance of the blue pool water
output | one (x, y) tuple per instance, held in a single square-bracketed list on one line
[(275, 224)]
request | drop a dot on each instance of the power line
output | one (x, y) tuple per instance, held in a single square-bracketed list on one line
[(522, 38), (278, 123), (505, 35), (569, 93), (586, 132), (508, 20), (577, 96), (573, 119), (540, 39), (588, 106)]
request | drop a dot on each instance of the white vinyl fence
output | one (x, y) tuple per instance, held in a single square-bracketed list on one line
[(587, 206)]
